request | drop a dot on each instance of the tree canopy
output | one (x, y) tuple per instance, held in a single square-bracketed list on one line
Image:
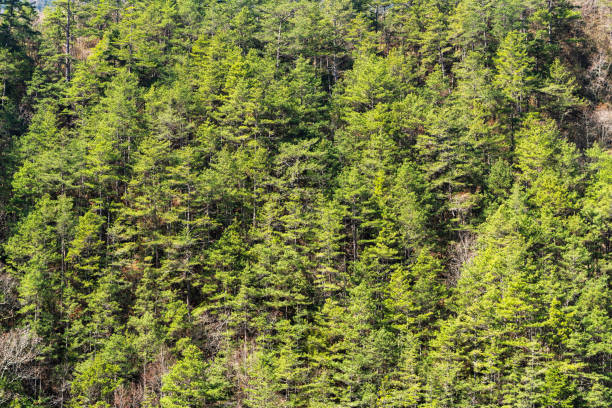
[(313, 204)]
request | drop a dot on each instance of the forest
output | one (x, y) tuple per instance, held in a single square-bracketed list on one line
[(306, 203)]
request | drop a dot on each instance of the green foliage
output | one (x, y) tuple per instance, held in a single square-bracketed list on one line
[(94, 383), (188, 384), (337, 203), (514, 69)]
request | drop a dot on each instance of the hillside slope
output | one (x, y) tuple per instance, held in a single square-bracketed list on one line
[(279, 203)]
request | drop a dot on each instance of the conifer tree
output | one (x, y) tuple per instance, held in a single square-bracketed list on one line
[(188, 384), (514, 69)]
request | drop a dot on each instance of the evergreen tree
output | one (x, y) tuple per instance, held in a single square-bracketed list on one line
[(514, 69), (188, 384)]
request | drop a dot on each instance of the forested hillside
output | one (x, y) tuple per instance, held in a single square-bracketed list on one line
[(300, 203)]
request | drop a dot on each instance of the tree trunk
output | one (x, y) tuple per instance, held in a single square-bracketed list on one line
[(68, 62)]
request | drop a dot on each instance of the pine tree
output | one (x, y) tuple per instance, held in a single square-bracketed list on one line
[(188, 384), (37, 257), (561, 88), (514, 69)]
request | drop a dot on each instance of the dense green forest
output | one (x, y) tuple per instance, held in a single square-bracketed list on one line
[(300, 203)]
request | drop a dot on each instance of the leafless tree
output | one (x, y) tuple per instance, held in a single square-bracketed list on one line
[(18, 352), (8, 297), (596, 27), (461, 253), (134, 394)]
